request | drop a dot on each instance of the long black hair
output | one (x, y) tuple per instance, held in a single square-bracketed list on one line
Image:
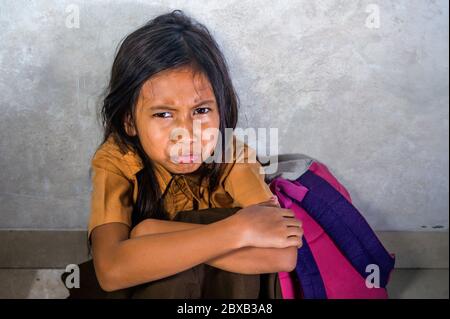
[(168, 41)]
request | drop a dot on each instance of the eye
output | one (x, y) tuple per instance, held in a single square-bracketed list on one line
[(202, 110), (163, 114)]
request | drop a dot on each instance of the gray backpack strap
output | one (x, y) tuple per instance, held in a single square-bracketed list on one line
[(287, 166)]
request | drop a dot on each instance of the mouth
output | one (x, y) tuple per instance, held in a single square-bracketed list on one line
[(187, 159)]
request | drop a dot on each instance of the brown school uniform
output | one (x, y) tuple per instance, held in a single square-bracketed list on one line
[(115, 188)]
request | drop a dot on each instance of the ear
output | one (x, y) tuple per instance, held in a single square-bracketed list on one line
[(129, 125)]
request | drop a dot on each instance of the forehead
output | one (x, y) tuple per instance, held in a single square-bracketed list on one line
[(182, 85)]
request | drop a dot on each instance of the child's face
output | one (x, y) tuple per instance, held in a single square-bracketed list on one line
[(173, 100)]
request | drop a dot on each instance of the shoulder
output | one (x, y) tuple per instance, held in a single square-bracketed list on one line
[(242, 159), (111, 157), (244, 177), (240, 156)]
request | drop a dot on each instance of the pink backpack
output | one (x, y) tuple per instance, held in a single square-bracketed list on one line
[(341, 257)]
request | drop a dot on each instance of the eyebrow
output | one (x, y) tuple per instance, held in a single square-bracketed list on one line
[(167, 107)]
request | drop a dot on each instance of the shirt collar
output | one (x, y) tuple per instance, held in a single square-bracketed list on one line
[(164, 177)]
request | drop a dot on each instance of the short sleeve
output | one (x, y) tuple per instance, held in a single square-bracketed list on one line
[(111, 196), (245, 181)]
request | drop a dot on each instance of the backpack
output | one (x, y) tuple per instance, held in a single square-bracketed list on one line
[(341, 257)]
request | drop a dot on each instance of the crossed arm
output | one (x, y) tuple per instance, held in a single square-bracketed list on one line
[(246, 260), (124, 258)]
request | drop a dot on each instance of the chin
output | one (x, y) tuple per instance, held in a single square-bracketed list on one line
[(185, 168)]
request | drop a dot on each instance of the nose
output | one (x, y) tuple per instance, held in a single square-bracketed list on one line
[(186, 131)]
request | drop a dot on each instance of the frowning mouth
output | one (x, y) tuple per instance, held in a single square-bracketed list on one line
[(187, 159)]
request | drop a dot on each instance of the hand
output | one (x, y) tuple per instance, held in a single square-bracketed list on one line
[(273, 201), (266, 225)]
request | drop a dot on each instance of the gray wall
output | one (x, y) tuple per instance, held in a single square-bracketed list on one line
[(368, 100)]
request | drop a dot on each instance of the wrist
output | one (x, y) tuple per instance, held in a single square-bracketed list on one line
[(237, 230)]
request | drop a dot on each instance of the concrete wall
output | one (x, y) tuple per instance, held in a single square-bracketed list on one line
[(367, 97)]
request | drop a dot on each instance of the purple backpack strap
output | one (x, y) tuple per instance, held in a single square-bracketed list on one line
[(308, 273)]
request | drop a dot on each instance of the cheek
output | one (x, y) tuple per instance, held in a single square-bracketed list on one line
[(210, 131), (212, 122), (154, 140)]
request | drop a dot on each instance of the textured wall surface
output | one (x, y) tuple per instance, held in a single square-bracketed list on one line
[(366, 96)]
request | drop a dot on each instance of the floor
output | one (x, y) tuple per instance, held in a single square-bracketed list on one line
[(46, 283)]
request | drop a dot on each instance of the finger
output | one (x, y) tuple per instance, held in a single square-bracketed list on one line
[(275, 199), (287, 212), (294, 241), (293, 222), (295, 231)]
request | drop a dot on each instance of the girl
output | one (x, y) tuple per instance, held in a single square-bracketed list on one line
[(169, 75)]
